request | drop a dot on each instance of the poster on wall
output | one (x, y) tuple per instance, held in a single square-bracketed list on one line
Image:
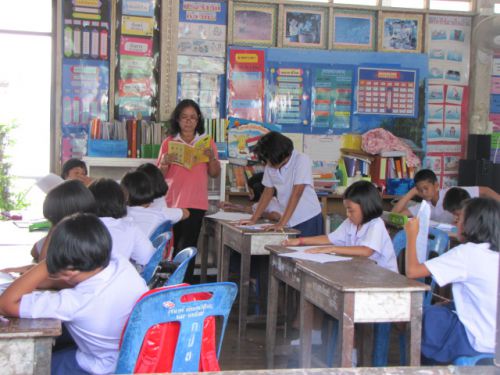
[(245, 91), (304, 28), (331, 98), (254, 24), (390, 92), (354, 30), (288, 95), (400, 32)]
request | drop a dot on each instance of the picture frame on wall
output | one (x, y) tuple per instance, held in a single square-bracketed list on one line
[(354, 30), (400, 32), (304, 27), (254, 24)]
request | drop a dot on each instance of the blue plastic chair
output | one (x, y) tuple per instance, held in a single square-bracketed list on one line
[(164, 227), (166, 306), (182, 258), (473, 361), (437, 244), (159, 243)]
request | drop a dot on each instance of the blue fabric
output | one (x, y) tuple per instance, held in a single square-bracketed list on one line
[(443, 335), (312, 227), (64, 363)]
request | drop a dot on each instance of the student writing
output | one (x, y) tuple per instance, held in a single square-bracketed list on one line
[(289, 172), (467, 327), (363, 233), (94, 308)]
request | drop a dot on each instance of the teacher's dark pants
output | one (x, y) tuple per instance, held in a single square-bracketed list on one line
[(186, 233)]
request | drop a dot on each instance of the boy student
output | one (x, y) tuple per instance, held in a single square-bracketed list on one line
[(456, 196), (427, 188), (94, 309)]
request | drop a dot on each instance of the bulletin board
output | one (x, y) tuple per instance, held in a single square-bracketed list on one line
[(336, 92)]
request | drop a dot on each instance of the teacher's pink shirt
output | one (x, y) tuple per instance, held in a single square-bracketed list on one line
[(186, 188)]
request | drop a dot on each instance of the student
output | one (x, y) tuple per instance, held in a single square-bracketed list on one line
[(95, 309), (467, 327), (255, 189), (363, 233), (129, 240), (456, 196), (139, 193), (158, 183), (65, 199), (75, 169), (427, 188), (290, 173)]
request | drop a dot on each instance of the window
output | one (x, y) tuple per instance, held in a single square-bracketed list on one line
[(457, 6), (417, 4), (356, 2)]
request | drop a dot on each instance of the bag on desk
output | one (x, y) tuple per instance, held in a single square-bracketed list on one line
[(162, 273)]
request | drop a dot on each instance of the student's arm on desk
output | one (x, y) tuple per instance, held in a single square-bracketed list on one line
[(401, 207), (273, 216), (414, 269), (486, 192), (264, 200), (290, 208), (360, 251), (307, 241)]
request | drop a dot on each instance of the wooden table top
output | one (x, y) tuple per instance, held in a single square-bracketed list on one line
[(23, 328), (248, 231)]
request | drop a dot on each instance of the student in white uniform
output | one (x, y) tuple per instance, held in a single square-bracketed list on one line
[(94, 309), (427, 188), (139, 193), (456, 196), (158, 183), (255, 189), (467, 327), (363, 233), (129, 241), (289, 172)]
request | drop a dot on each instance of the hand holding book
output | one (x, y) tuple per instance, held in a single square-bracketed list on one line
[(186, 155)]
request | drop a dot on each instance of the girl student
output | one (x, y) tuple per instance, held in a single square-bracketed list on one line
[(467, 326), (363, 233), (158, 183), (128, 240), (289, 172), (93, 306), (139, 193), (255, 189), (75, 169)]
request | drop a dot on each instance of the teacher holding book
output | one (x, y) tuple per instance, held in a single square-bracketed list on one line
[(187, 175)]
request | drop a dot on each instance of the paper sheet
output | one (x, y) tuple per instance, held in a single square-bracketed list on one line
[(319, 258), (230, 216), (49, 182), (255, 226), (445, 227), (424, 216)]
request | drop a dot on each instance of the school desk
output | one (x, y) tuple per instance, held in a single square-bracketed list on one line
[(248, 243), (26, 344), (358, 291), (211, 241)]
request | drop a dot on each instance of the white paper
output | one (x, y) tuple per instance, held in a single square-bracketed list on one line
[(49, 182), (319, 258), (424, 216), (255, 226), (443, 226), (233, 216)]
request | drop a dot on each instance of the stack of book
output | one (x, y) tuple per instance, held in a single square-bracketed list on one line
[(390, 165)]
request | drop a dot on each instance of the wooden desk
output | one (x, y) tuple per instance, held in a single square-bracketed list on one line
[(212, 231), (247, 242), (358, 291), (26, 345)]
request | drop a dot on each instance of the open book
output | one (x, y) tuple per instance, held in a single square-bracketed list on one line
[(187, 155)]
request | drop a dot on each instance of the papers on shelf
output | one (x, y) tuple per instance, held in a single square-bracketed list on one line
[(300, 253), (233, 216)]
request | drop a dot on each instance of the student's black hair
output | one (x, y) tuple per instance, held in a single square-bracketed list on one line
[(368, 197), (156, 177), (175, 128), (70, 197), (481, 218), (109, 198), (454, 198), (425, 175), (70, 164), (79, 242), (274, 148), (138, 189), (255, 183)]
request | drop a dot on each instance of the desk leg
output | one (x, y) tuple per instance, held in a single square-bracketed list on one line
[(244, 292), (343, 355), (415, 327), (43, 355), (223, 271), (204, 257), (272, 315), (306, 322)]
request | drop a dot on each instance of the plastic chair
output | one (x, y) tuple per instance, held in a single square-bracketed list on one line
[(164, 227), (172, 305), (437, 243), (182, 258), (159, 243), (473, 361)]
